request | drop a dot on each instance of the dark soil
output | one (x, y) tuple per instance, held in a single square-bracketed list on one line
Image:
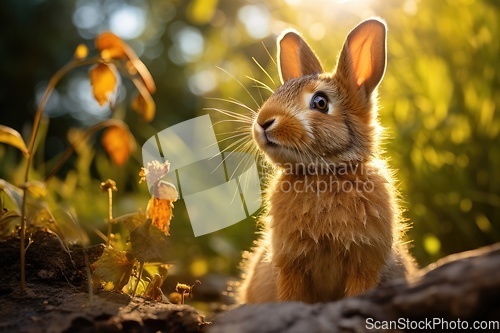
[(56, 297)]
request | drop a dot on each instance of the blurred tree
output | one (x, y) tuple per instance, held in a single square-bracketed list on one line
[(439, 101)]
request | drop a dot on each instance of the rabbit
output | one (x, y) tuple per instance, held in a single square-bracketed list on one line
[(332, 226)]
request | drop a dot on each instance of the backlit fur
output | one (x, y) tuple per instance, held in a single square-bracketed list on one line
[(324, 243)]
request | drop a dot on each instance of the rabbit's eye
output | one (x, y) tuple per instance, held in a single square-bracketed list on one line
[(319, 102)]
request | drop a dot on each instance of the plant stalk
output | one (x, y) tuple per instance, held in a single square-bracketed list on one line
[(54, 80), (110, 214), (141, 269)]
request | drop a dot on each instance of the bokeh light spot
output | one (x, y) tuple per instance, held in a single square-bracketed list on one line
[(87, 17), (188, 45), (128, 22), (202, 82), (432, 244), (256, 20)]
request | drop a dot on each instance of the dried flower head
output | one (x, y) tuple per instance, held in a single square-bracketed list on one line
[(185, 290), (81, 52), (160, 206), (182, 288), (166, 191), (109, 184), (153, 172)]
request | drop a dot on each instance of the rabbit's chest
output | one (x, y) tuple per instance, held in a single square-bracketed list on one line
[(317, 211), (324, 219)]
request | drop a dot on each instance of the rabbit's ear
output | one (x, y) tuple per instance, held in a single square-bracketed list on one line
[(362, 60), (295, 57)]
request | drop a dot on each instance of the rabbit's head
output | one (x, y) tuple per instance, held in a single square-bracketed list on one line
[(319, 119)]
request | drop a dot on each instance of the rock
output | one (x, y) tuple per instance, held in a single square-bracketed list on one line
[(464, 286)]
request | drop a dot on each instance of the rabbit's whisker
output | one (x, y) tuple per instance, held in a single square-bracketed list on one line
[(261, 84), (238, 143), (241, 84), (263, 70), (231, 114)]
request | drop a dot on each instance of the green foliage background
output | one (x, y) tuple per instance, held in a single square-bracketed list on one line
[(439, 104)]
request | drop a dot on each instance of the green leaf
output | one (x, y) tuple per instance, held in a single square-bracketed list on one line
[(36, 188), (14, 193), (114, 266), (149, 243), (7, 216), (12, 137)]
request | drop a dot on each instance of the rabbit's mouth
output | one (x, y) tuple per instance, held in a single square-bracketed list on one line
[(268, 141)]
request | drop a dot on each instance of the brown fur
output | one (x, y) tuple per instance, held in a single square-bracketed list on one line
[(332, 228)]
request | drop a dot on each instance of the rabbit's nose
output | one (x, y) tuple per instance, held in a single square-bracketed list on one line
[(267, 124)]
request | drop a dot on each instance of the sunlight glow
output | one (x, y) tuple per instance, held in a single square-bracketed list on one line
[(326, 2), (335, 8), (188, 44), (320, 18), (317, 31), (256, 20), (128, 22), (202, 82), (89, 19)]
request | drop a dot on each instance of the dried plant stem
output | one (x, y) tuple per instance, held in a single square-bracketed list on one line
[(54, 80), (110, 214), (139, 276)]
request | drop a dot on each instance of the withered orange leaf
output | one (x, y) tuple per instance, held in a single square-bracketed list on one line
[(104, 79), (112, 47), (114, 266), (119, 143)]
